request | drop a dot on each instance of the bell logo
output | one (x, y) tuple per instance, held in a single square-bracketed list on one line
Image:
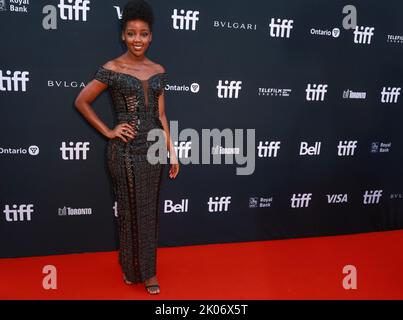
[(169, 207), (311, 151)]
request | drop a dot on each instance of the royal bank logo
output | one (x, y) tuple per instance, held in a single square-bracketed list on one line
[(18, 6), (260, 202), (274, 92), (3, 5), (380, 147)]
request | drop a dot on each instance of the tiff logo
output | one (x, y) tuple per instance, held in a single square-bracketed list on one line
[(74, 10), (18, 213), (363, 35), (346, 148), (266, 149), (372, 196), (390, 95), (115, 209), (301, 200), (183, 149), (316, 92), (228, 91), (218, 204), (74, 152), (13, 81), (280, 29), (183, 21)]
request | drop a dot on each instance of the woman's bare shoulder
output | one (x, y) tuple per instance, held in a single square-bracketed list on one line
[(159, 68), (111, 65)]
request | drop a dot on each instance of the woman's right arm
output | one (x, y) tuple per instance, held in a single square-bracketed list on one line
[(83, 103)]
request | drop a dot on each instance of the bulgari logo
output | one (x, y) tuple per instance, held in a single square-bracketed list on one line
[(234, 25), (65, 84)]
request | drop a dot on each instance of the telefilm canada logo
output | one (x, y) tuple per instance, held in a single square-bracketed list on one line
[(391, 38), (274, 92)]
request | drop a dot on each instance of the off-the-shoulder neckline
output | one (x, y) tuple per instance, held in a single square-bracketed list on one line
[(134, 77)]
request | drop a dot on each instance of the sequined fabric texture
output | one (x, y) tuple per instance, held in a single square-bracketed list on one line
[(135, 182)]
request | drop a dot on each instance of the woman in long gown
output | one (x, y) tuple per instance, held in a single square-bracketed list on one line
[(136, 85)]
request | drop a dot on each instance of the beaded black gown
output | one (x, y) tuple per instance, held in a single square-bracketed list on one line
[(135, 181)]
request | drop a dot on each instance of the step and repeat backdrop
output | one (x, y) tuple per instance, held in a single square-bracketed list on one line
[(304, 96)]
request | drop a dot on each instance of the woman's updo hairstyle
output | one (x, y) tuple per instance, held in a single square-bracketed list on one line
[(137, 9)]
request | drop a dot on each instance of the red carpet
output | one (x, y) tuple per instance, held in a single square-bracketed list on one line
[(310, 268)]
